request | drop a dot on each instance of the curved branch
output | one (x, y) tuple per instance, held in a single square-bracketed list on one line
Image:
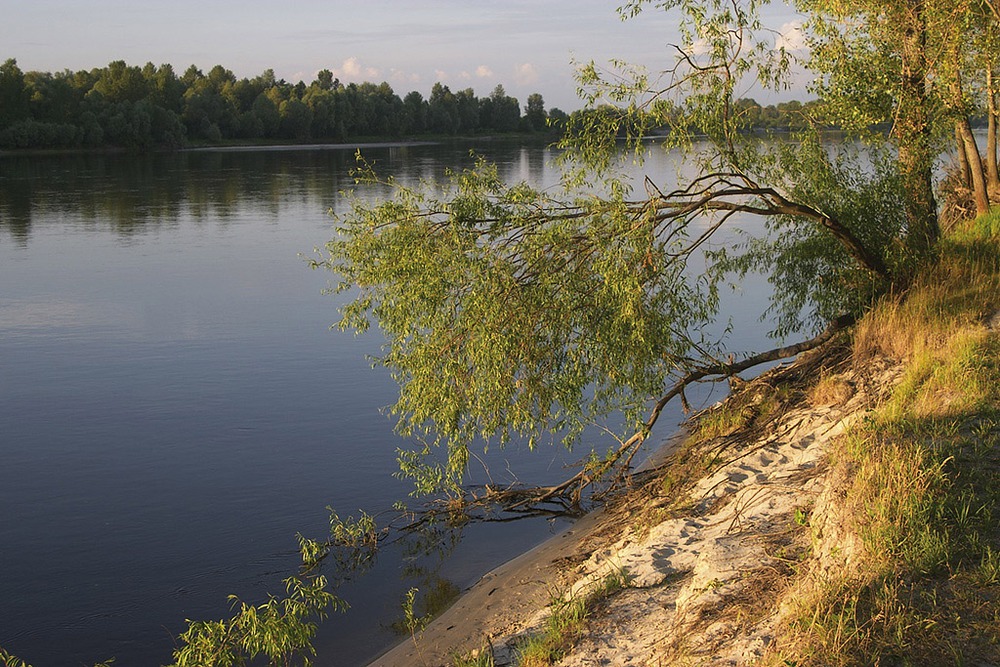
[(575, 485), (716, 192)]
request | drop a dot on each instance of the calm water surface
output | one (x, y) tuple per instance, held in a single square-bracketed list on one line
[(174, 408)]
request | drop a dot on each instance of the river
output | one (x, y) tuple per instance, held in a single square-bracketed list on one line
[(174, 408)]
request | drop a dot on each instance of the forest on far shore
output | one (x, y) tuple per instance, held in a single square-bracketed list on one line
[(139, 108)]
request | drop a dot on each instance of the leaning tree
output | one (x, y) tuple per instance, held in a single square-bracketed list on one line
[(510, 311)]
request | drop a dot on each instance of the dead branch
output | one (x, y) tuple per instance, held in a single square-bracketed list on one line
[(491, 503)]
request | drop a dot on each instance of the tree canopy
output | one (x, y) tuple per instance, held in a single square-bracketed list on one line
[(151, 106), (510, 311)]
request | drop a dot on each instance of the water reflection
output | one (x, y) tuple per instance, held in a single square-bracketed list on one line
[(174, 408), (136, 194)]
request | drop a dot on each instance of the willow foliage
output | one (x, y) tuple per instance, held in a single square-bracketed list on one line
[(280, 630), (510, 313), (514, 312)]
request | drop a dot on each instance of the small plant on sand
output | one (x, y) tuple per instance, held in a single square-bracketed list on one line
[(480, 657), (564, 627), (412, 619), (568, 621)]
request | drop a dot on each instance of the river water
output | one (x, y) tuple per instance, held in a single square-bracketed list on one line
[(174, 408)]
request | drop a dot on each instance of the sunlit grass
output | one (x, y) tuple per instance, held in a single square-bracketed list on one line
[(567, 623), (924, 490)]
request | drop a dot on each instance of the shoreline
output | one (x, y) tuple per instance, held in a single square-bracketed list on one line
[(498, 598), (254, 148), (704, 557), (364, 142)]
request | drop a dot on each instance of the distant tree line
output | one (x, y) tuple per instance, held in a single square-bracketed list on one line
[(143, 107), (791, 116)]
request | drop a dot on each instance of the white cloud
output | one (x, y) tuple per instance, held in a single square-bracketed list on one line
[(353, 69), (464, 76), (484, 72), (440, 75), (791, 37), (526, 74), (350, 67), (399, 76)]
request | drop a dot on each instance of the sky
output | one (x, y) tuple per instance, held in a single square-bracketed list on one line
[(526, 45)]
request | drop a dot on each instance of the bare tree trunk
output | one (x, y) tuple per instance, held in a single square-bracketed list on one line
[(975, 161), (963, 131), (992, 172), (963, 159)]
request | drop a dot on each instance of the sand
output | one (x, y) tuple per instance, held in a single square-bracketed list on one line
[(701, 580)]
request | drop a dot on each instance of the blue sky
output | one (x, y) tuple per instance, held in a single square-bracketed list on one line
[(526, 45)]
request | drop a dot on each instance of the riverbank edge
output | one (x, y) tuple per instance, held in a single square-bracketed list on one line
[(512, 602), (540, 139), (713, 568)]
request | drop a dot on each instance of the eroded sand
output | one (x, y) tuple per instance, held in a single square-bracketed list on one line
[(702, 580)]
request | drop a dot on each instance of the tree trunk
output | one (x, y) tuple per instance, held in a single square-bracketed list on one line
[(963, 130), (963, 159), (992, 173), (913, 134), (978, 182)]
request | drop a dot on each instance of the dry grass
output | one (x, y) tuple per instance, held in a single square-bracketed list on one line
[(831, 390), (922, 484), (961, 291)]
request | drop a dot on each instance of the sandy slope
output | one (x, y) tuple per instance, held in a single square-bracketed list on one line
[(703, 579)]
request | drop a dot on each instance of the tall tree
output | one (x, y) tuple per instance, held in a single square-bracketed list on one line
[(963, 129), (876, 67), (467, 108), (442, 111), (165, 89), (324, 79), (54, 99), (13, 94), (416, 111), (296, 119), (534, 112), (986, 14), (505, 112), (120, 82), (979, 47)]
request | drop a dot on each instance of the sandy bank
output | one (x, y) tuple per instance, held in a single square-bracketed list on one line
[(704, 559)]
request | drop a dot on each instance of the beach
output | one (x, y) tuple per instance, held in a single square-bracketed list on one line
[(703, 549)]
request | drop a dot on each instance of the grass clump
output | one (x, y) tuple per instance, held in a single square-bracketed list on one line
[(924, 489), (567, 623), (482, 657), (749, 407), (831, 390)]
